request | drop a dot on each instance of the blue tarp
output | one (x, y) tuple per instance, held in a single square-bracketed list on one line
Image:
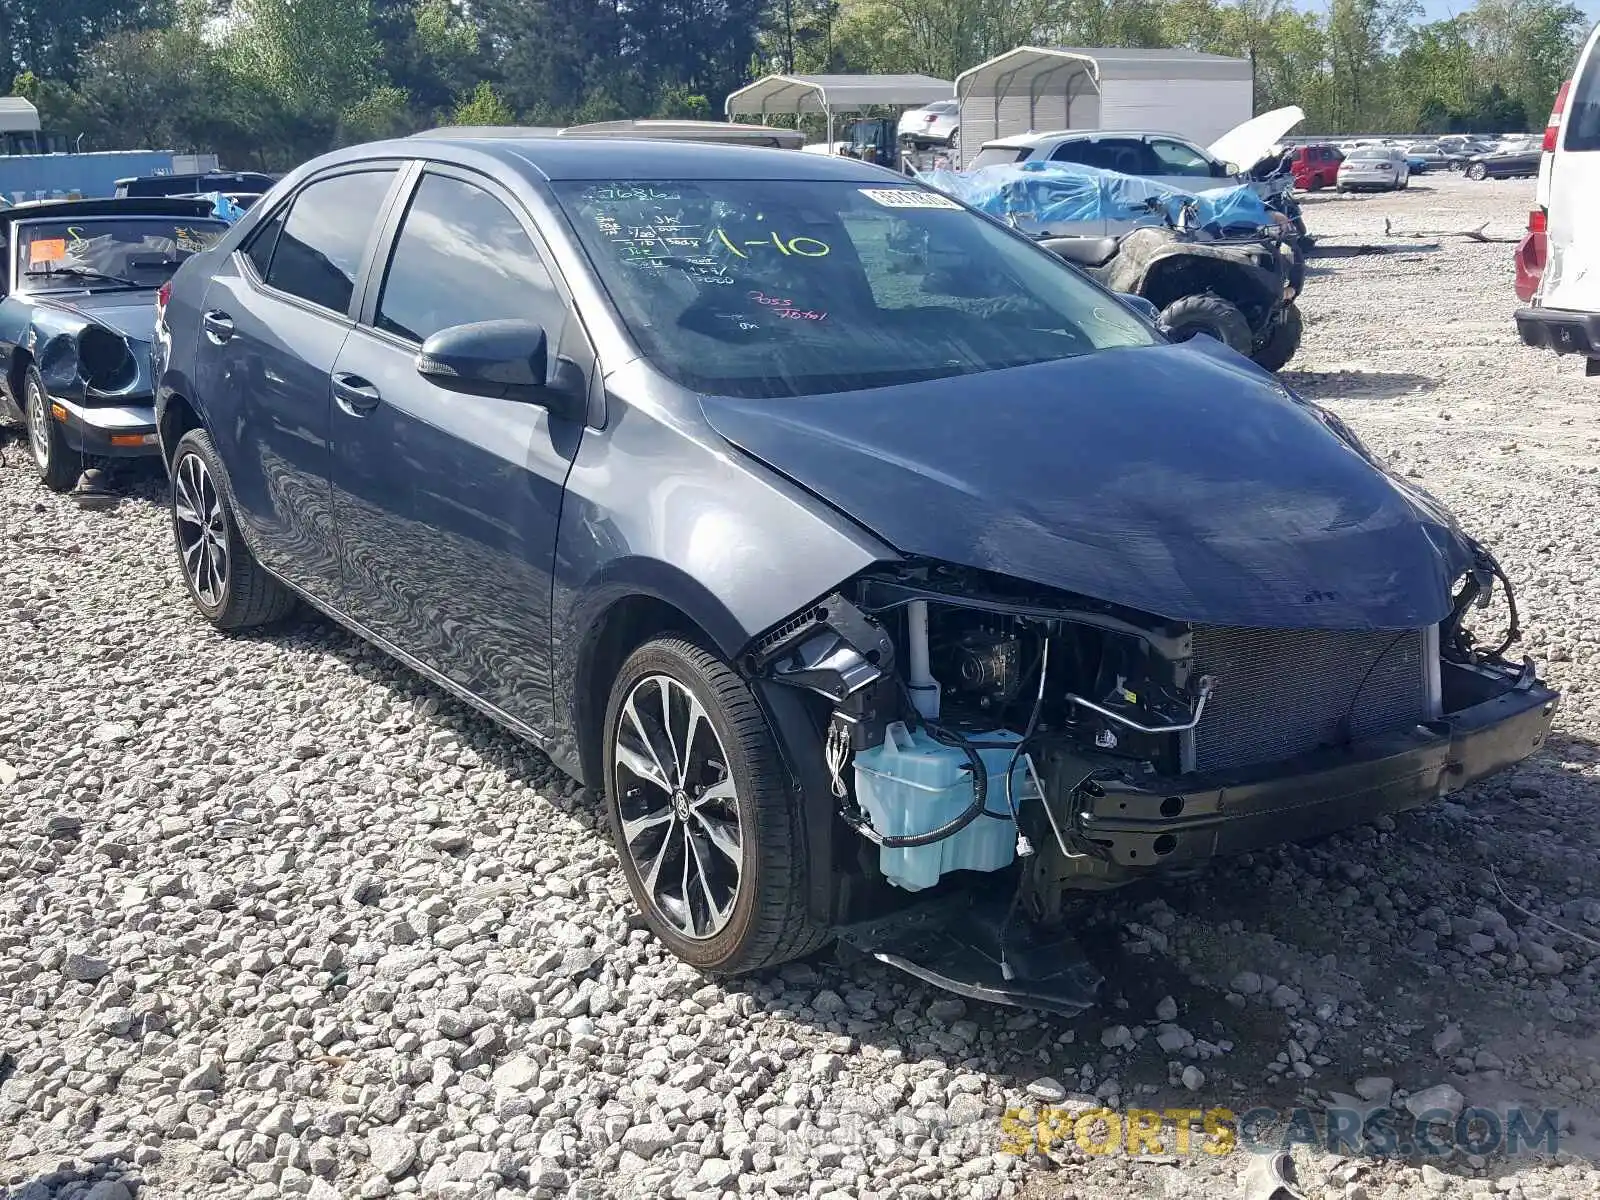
[(1048, 193), (222, 208)]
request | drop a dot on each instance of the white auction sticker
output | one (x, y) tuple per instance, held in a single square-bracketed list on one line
[(908, 198)]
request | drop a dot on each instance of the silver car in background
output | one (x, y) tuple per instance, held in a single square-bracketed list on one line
[(1373, 168), (936, 124)]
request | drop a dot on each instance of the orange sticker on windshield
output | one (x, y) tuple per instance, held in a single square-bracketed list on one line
[(46, 250)]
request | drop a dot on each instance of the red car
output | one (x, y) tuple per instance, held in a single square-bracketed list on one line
[(1315, 167)]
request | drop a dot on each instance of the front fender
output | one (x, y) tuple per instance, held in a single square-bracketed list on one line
[(659, 507)]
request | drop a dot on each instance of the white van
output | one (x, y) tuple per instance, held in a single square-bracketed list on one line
[(1564, 314)]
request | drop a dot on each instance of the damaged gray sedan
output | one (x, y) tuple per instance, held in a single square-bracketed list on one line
[(889, 580)]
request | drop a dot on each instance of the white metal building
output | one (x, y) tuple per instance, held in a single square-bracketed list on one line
[(1200, 96), (834, 94), (18, 115)]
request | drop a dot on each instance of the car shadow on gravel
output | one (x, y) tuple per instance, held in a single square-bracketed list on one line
[(102, 1181), (1358, 385)]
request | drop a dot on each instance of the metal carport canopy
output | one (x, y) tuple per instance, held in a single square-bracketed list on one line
[(828, 94), (1030, 63)]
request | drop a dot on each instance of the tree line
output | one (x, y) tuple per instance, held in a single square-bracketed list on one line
[(268, 83)]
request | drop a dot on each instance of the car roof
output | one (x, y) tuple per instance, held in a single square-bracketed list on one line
[(1020, 140), (143, 206), (598, 159)]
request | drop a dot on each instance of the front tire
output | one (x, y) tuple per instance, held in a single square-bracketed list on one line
[(227, 585), (1477, 171), (58, 467), (1282, 342), (1189, 315), (701, 813)]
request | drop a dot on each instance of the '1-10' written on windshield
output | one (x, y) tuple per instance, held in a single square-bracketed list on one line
[(649, 229)]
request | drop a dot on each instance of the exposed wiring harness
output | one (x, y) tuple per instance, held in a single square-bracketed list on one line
[(1475, 592)]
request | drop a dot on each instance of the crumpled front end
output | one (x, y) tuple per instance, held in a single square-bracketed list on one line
[(997, 748), (99, 382)]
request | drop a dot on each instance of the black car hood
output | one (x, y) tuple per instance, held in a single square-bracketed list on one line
[(131, 313), (1177, 480)]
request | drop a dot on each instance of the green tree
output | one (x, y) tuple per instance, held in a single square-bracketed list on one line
[(384, 112), (484, 107), (315, 57)]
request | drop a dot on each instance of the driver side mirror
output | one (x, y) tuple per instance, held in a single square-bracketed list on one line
[(503, 360)]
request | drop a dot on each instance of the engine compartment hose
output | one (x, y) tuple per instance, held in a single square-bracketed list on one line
[(980, 797)]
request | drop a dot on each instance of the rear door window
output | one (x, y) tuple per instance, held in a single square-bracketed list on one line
[(999, 156), (318, 255), (1130, 156), (1583, 117)]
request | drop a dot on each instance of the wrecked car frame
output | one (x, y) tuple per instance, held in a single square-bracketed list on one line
[(76, 320)]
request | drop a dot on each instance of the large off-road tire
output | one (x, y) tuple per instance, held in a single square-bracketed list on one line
[(57, 465), (227, 585), (1297, 267), (1281, 344), (1189, 315), (709, 835), (1477, 171)]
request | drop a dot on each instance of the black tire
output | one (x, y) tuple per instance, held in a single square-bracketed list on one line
[(1477, 171), (768, 922), (1189, 315), (57, 465), (244, 595), (1297, 267), (1274, 354)]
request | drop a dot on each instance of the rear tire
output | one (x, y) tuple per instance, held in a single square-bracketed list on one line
[(1189, 315), (57, 466), (706, 826), (227, 585), (1282, 343)]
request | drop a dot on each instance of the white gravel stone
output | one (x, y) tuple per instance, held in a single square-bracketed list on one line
[(1439, 1098), (391, 1151)]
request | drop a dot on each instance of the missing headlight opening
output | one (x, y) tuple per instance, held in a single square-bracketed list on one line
[(104, 360), (993, 743)]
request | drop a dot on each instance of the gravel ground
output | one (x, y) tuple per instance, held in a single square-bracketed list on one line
[(279, 919)]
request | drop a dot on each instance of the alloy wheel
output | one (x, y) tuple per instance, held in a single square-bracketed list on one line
[(39, 427), (202, 530), (678, 807)]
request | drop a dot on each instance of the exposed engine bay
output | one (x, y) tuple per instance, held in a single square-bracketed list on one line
[(988, 736)]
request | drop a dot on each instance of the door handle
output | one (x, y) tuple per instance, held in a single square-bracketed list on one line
[(218, 325), (354, 394)]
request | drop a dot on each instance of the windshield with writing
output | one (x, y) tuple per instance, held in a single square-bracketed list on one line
[(123, 251), (800, 287)]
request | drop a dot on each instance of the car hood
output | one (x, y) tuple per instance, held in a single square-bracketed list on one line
[(130, 313), (1177, 480), (1247, 144)]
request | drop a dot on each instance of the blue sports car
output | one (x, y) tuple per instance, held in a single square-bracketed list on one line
[(80, 282)]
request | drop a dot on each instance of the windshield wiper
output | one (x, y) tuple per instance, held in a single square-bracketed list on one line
[(83, 273)]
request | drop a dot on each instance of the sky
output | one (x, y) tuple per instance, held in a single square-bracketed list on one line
[(1438, 10)]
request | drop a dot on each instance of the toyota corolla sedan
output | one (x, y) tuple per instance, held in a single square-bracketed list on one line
[(883, 578)]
